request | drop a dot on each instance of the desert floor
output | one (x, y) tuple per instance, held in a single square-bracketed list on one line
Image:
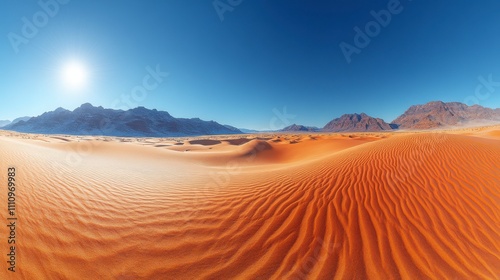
[(410, 205)]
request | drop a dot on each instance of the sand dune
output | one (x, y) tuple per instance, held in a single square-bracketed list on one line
[(360, 206)]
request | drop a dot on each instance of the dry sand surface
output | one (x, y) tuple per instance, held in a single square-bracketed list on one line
[(419, 205)]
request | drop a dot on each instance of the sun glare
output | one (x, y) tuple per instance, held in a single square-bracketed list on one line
[(74, 75)]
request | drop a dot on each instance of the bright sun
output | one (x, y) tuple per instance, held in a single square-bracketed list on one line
[(74, 75)]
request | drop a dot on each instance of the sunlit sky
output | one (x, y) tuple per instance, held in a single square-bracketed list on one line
[(243, 66)]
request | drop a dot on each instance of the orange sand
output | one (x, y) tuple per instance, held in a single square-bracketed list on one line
[(353, 206)]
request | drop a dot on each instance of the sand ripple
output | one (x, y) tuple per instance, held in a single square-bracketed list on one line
[(420, 206)]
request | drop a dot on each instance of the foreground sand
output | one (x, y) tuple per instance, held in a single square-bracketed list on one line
[(352, 206)]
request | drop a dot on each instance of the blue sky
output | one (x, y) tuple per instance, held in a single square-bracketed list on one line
[(263, 56)]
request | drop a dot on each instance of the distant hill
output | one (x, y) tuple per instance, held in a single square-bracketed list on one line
[(138, 122), (356, 123), (6, 122), (244, 130), (298, 128), (437, 114)]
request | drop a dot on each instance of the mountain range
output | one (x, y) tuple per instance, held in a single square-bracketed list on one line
[(138, 122), (440, 114), (435, 114), (142, 122)]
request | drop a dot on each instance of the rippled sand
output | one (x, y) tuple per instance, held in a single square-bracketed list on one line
[(352, 206)]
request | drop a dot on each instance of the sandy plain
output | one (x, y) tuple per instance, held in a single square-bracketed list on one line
[(406, 205)]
